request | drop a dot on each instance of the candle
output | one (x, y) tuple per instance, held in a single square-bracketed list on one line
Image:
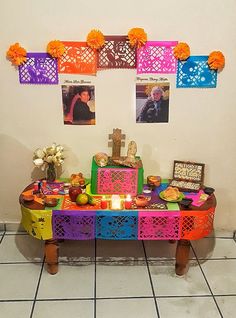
[(115, 202), (36, 186), (128, 202), (103, 203)]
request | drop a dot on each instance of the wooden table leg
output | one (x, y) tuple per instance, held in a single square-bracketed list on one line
[(182, 257), (51, 256)]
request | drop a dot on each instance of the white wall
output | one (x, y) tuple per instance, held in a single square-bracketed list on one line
[(201, 126)]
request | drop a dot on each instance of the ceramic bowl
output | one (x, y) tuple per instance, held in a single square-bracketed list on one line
[(186, 202), (208, 190), (28, 197), (141, 200), (50, 201)]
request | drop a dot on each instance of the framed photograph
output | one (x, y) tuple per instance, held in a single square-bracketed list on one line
[(152, 102), (78, 104)]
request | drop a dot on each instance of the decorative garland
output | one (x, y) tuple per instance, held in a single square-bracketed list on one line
[(216, 60), (110, 53), (95, 39), (56, 48), (16, 54), (182, 51), (137, 37)]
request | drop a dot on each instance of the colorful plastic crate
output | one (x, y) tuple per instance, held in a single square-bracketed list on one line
[(163, 225), (73, 225), (116, 180), (121, 225), (196, 224)]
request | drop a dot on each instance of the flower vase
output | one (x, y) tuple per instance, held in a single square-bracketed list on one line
[(51, 172)]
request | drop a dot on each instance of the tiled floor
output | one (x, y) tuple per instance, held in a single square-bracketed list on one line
[(104, 279)]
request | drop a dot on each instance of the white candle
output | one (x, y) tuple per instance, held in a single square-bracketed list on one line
[(115, 202)]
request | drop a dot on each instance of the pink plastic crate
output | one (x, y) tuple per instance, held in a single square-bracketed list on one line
[(117, 181), (161, 225)]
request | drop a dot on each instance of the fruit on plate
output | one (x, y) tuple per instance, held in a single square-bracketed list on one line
[(171, 194), (74, 192), (82, 199)]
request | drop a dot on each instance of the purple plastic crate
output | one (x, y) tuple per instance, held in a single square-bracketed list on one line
[(73, 225)]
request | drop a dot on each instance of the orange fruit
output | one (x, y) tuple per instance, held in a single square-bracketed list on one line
[(82, 199)]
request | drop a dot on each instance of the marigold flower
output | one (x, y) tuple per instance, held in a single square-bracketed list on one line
[(182, 51), (56, 48), (216, 60), (16, 54), (95, 39), (137, 37)]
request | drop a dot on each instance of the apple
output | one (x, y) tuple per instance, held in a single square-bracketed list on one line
[(74, 192)]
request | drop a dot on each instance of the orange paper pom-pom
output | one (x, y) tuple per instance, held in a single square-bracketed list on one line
[(95, 39), (56, 48), (216, 60), (182, 51), (16, 54), (137, 37)]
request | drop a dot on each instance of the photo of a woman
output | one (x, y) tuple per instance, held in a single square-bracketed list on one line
[(78, 105)]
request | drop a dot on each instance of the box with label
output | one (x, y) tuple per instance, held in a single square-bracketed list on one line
[(188, 176)]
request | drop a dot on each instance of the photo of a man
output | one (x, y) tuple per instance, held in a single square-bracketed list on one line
[(152, 103), (78, 105)]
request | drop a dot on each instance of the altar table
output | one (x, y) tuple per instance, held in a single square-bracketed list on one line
[(69, 221)]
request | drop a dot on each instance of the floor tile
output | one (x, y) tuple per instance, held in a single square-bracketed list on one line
[(162, 250), (21, 248), (71, 281), (108, 250), (19, 281), (167, 283), (214, 248), (114, 281), (21, 309), (221, 275), (188, 307), (227, 306), (131, 308), (75, 251), (62, 309)]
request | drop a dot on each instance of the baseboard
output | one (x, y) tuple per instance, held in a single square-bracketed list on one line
[(11, 227)]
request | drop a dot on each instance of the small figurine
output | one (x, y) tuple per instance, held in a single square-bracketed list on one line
[(101, 159), (130, 160), (77, 179)]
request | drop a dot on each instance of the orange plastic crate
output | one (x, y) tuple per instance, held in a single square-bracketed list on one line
[(196, 224)]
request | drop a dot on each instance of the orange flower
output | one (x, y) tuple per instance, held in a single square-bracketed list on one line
[(216, 60), (16, 54), (95, 39), (56, 48), (182, 51), (137, 37)]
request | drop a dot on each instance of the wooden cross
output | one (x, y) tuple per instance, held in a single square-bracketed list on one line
[(116, 142)]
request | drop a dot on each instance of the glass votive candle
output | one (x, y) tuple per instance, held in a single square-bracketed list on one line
[(115, 202), (103, 203), (128, 202)]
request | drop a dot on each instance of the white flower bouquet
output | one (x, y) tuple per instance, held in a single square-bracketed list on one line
[(49, 157)]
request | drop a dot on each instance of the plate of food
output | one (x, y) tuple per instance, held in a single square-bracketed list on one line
[(171, 194)]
